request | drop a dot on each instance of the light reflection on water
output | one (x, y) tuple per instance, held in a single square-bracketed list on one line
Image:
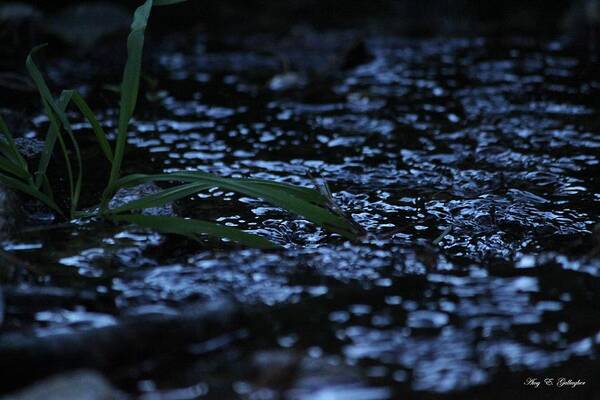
[(498, 153)]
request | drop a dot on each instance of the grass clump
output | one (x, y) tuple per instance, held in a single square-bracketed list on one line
[(15, 173)]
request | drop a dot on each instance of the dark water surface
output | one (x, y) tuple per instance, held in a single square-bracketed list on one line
[(474, 167)]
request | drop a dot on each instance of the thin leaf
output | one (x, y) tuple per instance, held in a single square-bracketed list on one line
[(6, 151), (9, 149), (74, 185), (193, 228), (47, 151), (161, 198), (289, 202), (38, 79), (55, 110), (278, 195), (96, 127), (55, 131), (63, 103), (130, 85), (303, 193), (47, 188), (310, 195), (10, 167), (31, 190)]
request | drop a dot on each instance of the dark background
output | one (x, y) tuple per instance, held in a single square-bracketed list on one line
[(232, 24), (404, 16)]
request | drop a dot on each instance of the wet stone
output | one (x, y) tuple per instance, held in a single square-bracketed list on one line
[(128, 195), (29, 148)]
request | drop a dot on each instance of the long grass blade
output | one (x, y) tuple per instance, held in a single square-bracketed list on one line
[(307, 194), (278, 195), (55, 131), (10, 167), (87, 112), (47, 151), (47, 188), (193, 228), (31, 190), (310, 195), (161, 198), (40, 83), (9, 147), (130, 85), (55, 110), (289, 202), (6, 151), (63, 103), (50, 106)]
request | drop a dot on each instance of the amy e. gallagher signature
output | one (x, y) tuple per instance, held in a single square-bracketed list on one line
[(555, 382)]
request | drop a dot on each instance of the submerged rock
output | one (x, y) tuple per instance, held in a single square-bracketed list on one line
[(127, 195), (80, 385), (29, 148)]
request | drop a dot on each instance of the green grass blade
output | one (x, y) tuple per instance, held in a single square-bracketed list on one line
[(278, 195), (12, 162), (47, 188), (289, 202), (281, 198), (161, 198), (96, 127), (6, 151), (193, 228), (38, 79), (63, 103), (307, 194), (55, 136), (310, 195), (9, 147), (130, 85), (47, 151), (29, 189), (55, 129), (55, 110), (10, 167), (40, 83), (50, 141)]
